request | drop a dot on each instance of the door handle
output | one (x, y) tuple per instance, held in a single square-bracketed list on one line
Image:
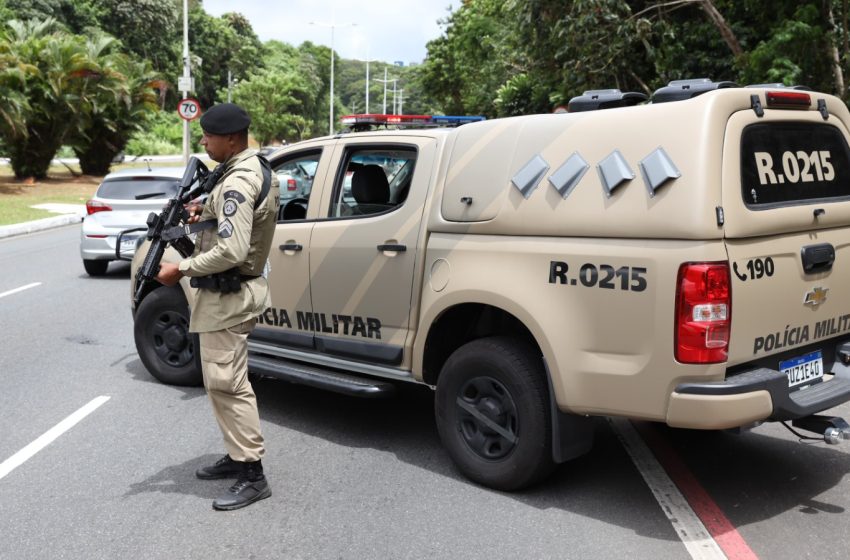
[(291, 247), (392, 247), (817, 258)]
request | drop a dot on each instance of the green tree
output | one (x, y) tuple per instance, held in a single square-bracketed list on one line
[(13, 76), (162, 134), (75, 15), (55, 62), (116, 97), (350, 87), (466, 66), (149, 29), (221, 44), (5, 13), (278, 103), (315, 62), (523, 56), (280, 55)]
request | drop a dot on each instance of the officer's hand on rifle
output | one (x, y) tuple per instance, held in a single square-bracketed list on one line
[(194, 210), (169, 274)]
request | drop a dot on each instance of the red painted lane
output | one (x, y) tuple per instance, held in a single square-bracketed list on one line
[(716, 523)]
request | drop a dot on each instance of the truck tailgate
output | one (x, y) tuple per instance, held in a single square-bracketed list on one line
[(786, 202), (778, 306)]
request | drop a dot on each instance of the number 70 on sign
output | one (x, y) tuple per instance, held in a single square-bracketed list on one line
[(189, 109)]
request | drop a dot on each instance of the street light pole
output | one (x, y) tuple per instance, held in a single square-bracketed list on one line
[(367, 81), (331, 109), (187, 78), (332, 25), (385, 81)]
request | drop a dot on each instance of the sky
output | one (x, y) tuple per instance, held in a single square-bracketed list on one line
[(384, 30)]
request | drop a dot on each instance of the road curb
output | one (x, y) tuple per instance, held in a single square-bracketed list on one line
[(39, 225)]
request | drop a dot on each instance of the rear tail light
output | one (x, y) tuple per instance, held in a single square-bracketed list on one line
[(93, 206), (290, 184), (703, 313), (788, 100)]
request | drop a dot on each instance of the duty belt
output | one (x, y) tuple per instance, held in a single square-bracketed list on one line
[(227, 282)]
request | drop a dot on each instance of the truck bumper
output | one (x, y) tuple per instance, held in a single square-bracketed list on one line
[(757, 395)]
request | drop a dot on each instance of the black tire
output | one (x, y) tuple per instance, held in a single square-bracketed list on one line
[(507, 443), (95, 268), (166, 347)]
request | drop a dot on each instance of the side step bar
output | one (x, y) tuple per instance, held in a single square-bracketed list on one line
[(319, 377)]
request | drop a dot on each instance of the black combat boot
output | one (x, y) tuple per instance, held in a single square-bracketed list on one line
[(251, 486), (223, 468)]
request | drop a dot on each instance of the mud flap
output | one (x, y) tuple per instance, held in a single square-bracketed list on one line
[(572, 435)]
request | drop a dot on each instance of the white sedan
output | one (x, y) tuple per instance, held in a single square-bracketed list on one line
[(123, 201)]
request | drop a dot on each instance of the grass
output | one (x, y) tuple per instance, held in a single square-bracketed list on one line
[(61, 186)]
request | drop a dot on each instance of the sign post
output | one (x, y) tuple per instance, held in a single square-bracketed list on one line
[(185, 82)]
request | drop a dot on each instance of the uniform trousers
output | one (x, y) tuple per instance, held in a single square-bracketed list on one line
[(224, 359)]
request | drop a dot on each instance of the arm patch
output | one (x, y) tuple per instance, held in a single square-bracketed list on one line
[(225, 229), (234, 195), (230, 207)]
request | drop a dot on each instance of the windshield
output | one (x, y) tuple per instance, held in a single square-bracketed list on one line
[(138, 188)]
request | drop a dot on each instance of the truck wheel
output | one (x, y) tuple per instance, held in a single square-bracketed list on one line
[(166, 347), (95, 268), (492, 409)]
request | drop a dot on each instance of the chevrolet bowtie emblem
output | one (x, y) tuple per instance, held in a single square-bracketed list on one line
[(815, 297)]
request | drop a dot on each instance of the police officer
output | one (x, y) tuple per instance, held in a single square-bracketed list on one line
[(227, 270)]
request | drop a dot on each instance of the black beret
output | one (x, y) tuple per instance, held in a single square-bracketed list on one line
[(225, 118)]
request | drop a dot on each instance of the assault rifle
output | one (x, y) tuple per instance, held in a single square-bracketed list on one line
[(166, 228)]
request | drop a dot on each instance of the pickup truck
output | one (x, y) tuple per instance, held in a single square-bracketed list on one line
[(683, 261)]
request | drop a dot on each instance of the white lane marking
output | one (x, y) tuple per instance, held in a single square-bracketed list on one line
[(689, 528), (49, 436), (21, 289)]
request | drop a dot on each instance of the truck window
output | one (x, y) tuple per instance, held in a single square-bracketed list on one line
[(374, 180), (296, 183), (787, 163)]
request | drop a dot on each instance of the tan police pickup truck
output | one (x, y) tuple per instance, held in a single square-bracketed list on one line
[(684, 261)]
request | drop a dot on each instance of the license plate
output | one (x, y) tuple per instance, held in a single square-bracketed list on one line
[(803, 370), (128, 243)]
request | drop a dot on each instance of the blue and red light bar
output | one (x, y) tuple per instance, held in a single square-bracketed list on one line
[(409, 120)]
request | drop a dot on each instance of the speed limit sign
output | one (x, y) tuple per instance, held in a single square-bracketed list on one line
[(189, 109)]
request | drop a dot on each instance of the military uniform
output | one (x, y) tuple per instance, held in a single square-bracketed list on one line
[(227, 272), (241, 240)]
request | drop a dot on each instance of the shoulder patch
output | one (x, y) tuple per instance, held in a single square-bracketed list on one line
[(234, 195), (230, 206), (225, 229)]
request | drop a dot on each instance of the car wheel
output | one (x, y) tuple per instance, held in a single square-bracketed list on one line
[(492, 410), (166, 347), (95, 268)]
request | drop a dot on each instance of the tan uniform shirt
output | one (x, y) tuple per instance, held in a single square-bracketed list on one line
[(243, 239)]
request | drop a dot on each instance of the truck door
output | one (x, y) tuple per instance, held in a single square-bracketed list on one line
[(786, 202), (363, 256), (301, 174)]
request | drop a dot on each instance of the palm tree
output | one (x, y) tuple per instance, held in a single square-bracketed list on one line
[(12, 76), (116, 97), (50, 85)]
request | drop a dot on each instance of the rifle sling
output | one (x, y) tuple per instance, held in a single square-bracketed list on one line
[(177, 232)]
